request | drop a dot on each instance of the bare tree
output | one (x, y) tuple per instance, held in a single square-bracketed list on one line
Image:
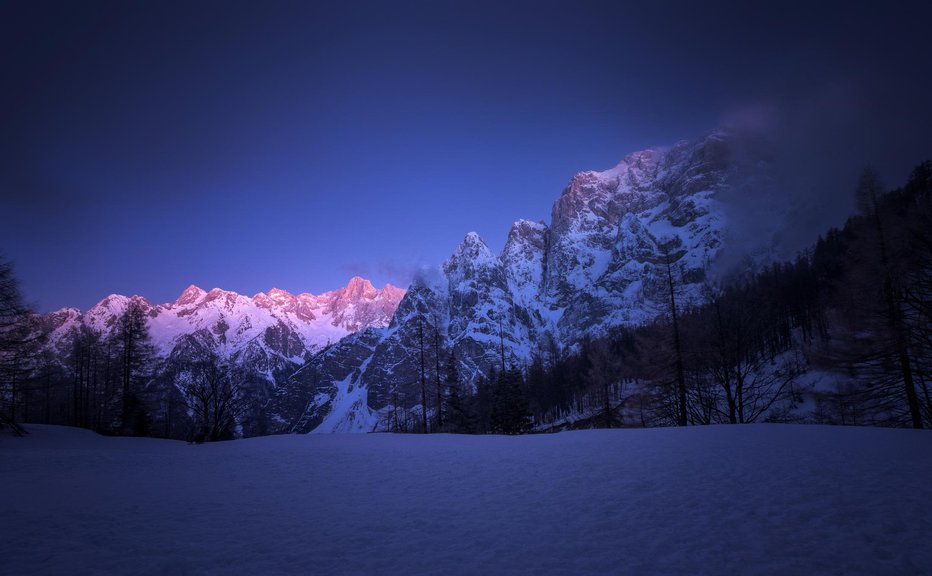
[(668, 259), (751, 381), (14, 337), (214, 399), (420, 335), (604, 378), (439, 387), (878, 292)]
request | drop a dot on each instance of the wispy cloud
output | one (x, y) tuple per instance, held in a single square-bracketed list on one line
[(393, 271)]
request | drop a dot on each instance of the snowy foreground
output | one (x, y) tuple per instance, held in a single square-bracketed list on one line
[(758, 499)]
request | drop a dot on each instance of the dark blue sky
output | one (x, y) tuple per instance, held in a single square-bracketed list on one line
[(149, 145)]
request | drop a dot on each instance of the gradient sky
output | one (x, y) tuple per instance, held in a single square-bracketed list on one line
[(145, 146)]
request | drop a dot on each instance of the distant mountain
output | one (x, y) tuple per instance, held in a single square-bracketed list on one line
[(264, 338), (234, 321), (599, 264)]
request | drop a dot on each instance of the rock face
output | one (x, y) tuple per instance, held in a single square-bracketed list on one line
[(601, 263), (263, 339)]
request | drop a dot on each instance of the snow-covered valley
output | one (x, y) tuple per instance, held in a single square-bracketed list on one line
[(753, 499)]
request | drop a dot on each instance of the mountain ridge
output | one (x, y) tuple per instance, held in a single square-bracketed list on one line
[(263, 338)]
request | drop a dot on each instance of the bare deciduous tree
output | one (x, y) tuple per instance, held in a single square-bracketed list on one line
[(214, 399)]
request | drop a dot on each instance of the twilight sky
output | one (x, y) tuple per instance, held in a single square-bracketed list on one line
[(145, 146)]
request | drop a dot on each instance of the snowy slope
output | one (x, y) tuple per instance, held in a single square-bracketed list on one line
[(754, 499)]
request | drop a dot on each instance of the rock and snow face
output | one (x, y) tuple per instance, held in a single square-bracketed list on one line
[(601, 263), (264, 338)]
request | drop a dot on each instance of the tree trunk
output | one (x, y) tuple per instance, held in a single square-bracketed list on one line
[(681, 417), (437, 374), (420, 330)]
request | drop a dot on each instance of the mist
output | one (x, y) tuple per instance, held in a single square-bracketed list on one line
[(806, 151)]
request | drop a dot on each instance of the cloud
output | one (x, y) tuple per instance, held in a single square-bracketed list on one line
[(396, 272), (811, 144)]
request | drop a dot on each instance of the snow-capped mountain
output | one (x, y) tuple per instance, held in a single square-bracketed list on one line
[(600, 263), (304, 323), (263, 338)]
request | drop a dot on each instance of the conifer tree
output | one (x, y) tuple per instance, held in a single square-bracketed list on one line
[(510, 413), (135, 352), (439, 387), (460, 410)]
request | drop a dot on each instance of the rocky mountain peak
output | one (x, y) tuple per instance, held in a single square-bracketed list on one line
[(523, 258), (526, 240), (471, 252), (280, 296), (472, 261), (113, 302), (393, 293), (359, 287), (360, 305), (523, 229), (191, 295), (222, 298)]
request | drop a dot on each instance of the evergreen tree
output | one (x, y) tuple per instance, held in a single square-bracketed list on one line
[(135, 352), (604, 373), (538, 386), (438, 386), (483, 401), (459, 408), (509, 412), (85, 343)]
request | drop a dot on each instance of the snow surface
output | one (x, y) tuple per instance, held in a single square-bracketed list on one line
[(755, 499)]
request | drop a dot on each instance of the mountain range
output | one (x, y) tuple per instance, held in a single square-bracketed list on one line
[(344, 360), (263, 338), (304, 323)]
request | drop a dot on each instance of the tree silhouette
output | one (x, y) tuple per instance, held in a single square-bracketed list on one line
[(135, 351), (14, 340)]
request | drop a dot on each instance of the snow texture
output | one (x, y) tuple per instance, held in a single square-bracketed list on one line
[(754, 499)]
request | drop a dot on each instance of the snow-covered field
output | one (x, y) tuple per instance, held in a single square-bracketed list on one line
[(757, 499)]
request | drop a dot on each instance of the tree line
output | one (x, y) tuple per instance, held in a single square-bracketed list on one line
[(107, 382)]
